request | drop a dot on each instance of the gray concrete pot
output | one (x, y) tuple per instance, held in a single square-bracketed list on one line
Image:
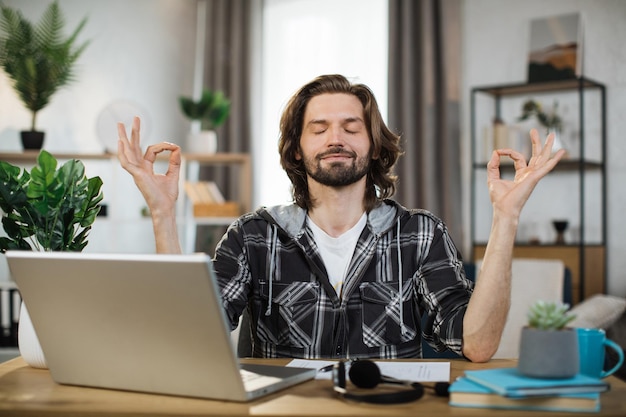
[(548, 353)]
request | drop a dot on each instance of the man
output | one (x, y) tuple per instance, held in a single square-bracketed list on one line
[(345, 272)]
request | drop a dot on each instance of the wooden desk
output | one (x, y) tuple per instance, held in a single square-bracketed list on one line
[(26, 391)]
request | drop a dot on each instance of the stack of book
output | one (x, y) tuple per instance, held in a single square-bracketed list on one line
[(208, 201), (506, 388)]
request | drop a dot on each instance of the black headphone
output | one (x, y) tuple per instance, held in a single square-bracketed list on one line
[(366, 374)]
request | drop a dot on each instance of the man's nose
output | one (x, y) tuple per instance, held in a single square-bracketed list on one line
[(336, 136)]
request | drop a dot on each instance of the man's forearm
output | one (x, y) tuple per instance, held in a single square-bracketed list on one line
[(488, 308), (166, 232)]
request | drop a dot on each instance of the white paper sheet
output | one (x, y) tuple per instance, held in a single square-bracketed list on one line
[(410, 371)]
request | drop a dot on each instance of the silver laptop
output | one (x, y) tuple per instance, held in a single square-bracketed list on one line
[(150, 323)]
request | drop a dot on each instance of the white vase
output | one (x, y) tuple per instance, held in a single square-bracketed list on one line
[(28, 342), (558, 140), (204, 141)]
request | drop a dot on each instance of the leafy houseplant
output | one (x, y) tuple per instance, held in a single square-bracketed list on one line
[(549, 120), (548, 348), (37, 58), (48, 209), (210, 111)]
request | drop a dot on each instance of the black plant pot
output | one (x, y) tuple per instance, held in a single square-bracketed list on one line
[(32, 139)]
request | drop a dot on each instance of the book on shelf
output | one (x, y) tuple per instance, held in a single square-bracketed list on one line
[(509, 382), (465, 393), (208, 201), (204, 192)]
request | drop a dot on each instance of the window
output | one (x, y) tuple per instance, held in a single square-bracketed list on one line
[(302, 39)]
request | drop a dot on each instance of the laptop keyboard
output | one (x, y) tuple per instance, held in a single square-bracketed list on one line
[(252, 380)]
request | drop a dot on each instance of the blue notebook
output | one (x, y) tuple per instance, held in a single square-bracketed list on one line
[(509, 382), (465, 393)]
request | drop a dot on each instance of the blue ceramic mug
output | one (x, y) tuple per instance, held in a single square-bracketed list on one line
[(591, 346)]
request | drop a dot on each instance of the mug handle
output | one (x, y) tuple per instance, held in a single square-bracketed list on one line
[(617, 348)]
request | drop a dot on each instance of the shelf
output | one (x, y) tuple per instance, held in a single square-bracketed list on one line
[(217, 158), (563, 165), (582, 263), (544, 87), (31, 156), (576, 192), (240, 166)]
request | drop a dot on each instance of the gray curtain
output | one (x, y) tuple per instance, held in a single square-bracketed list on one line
[(227, 69), (424, 78)]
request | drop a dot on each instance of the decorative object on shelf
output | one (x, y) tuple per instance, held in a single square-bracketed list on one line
[(38, 59), (551, 120), (209, 112), (48, 209), (549, 349), (560, 226), (555, 48)]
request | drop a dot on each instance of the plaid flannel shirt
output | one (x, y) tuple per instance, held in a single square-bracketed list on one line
[(268, 262)]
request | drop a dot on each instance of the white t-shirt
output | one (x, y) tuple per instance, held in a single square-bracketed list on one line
[(337, 251)]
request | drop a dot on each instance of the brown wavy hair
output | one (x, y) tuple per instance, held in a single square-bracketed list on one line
[(385, 145)]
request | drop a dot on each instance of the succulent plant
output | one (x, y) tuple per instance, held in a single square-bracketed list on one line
[(549, 315)]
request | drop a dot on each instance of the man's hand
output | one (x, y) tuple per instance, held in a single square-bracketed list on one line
[(159, 190), (508, 197)]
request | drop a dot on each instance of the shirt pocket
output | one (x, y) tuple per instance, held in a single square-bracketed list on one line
[(292, 317), (380, 312)]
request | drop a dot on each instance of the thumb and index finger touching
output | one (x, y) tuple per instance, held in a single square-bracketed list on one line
[(542, 160)]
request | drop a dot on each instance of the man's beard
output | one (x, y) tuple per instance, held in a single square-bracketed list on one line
[(337, 174)]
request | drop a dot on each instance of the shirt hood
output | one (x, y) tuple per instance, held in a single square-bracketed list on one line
[(291, 218)]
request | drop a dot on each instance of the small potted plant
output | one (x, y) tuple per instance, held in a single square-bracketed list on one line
[(551, 120), (548, 348), (46, 209), (38, 60), (208, 113)]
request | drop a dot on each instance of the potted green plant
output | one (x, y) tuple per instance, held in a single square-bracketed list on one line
[(550, 120), (207, 113), (548, 348), (46, 209), (38, 60)]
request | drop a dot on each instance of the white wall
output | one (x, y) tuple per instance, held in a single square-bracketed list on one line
[(495, 46), (142, 52)]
